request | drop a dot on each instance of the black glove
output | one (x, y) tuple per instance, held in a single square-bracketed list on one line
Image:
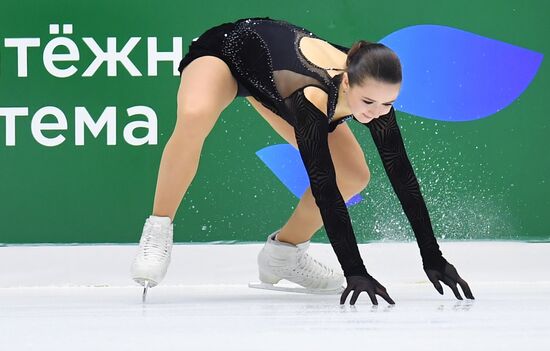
[(447, 274), (359, 283)]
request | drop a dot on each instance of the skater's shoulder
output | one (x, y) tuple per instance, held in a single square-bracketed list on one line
[(317, 96)]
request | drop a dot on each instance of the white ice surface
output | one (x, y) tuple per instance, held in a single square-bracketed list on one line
[(82, 298)]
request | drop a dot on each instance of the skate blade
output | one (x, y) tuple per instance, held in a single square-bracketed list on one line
[(146, 283), (302, 290), (145, 289)]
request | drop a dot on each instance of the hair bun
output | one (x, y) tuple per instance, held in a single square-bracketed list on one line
[(357, 46)]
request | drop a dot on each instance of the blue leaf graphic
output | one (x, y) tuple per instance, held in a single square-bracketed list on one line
[(453, 75)]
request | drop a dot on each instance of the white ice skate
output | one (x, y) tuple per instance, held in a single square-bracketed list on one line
[(153, 257), (279, 260)]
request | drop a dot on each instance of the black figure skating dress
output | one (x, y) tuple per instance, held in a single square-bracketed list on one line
[(264, 56)]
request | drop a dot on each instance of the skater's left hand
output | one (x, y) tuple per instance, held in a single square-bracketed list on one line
[(448, 275)]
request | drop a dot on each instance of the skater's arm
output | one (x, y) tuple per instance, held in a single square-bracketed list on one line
[(387, 137), (311, 130)]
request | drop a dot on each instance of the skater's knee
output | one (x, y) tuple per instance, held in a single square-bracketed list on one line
[(362, 178), (354, 181), (195, 123)]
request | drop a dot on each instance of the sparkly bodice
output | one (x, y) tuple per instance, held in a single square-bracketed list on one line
[(264, 55)]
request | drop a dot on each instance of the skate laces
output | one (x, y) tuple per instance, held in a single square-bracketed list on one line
[(155, 242), (309, 266)]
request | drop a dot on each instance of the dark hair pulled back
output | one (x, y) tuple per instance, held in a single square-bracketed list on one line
[(372, 60)]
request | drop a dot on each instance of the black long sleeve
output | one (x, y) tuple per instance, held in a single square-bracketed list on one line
[(387, 138), (311, 129)]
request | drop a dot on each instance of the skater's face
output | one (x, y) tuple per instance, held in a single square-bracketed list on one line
[(371, 99)]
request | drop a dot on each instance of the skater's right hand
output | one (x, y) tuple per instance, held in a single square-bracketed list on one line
[(359, 283)]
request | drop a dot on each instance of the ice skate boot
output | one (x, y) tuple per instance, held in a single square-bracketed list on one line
[(153, 257), (279, 260)]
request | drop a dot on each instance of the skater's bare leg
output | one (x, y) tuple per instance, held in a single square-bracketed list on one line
[(206, 89), (352, 175)]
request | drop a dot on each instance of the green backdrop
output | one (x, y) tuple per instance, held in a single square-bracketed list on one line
[(485, 179)]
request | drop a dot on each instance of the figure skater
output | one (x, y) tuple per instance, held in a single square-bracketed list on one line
[(306, 88)]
